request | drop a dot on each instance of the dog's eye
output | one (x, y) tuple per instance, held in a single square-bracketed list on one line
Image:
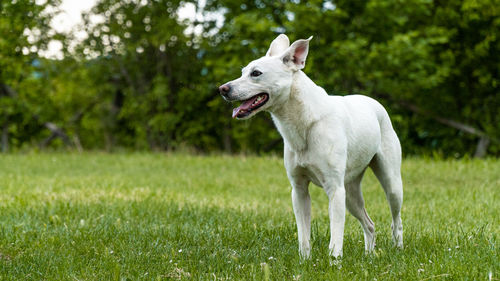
[(255, 73)]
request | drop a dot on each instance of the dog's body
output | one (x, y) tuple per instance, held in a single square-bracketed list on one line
[(329, 140)]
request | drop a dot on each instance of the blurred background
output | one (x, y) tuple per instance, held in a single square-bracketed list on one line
[(143, 74)]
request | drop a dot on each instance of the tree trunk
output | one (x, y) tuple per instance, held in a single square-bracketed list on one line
[(228, 147), (78, 144), (5, 137), (482, 147)]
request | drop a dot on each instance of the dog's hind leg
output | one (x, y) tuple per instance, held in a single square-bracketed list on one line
[(302, 209), (356, 206), (386, 165)]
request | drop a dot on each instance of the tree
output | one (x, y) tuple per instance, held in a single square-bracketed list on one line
[(433, 64), (146, 65), (143, 78), (25, 29)]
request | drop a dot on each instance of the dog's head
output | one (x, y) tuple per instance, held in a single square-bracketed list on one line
[(266, 82)]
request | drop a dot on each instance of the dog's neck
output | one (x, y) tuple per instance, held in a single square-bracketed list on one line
[(295, 116)]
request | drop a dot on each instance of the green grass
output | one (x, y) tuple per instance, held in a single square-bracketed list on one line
[(169, 216)]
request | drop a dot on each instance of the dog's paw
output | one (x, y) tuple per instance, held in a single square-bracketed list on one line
[(399, 244), (337, 262), (335, 252), (305, 255)]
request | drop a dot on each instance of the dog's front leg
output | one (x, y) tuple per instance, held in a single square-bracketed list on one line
[(336, 211), (302, 208)]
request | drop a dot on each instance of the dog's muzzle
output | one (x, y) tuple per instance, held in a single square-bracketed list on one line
[(225, 90)]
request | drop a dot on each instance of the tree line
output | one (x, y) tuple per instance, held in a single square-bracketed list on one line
[(144, 78)]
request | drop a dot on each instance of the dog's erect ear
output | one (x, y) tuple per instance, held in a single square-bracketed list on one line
[(295, 56), (278, 45)]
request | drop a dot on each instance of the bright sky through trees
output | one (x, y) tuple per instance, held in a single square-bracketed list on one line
[(71, 16)]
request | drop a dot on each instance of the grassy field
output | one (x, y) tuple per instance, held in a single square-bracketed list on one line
[(169, 216)]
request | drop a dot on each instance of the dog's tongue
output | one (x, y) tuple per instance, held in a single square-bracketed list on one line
[(245, 106)]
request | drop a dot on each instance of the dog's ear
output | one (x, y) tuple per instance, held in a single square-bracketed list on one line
[(278, 45), (295, 56)]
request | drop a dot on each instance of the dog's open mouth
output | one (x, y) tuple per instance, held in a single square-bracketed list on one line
[(250, 105)]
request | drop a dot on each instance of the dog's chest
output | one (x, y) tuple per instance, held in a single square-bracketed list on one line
[(294, 133), (294, 140), (307, 164)]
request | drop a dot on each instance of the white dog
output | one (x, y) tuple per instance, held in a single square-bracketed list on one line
[(329, 140)]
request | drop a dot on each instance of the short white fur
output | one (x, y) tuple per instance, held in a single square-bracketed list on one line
[(329, 140)]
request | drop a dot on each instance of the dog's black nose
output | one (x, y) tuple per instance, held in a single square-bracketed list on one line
[(225, 89)]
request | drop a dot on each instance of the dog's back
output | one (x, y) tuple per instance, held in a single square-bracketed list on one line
[(364, 122)]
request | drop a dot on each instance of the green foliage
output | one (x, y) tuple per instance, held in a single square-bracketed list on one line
[(24, 31), (170, 216), (144, 79)]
